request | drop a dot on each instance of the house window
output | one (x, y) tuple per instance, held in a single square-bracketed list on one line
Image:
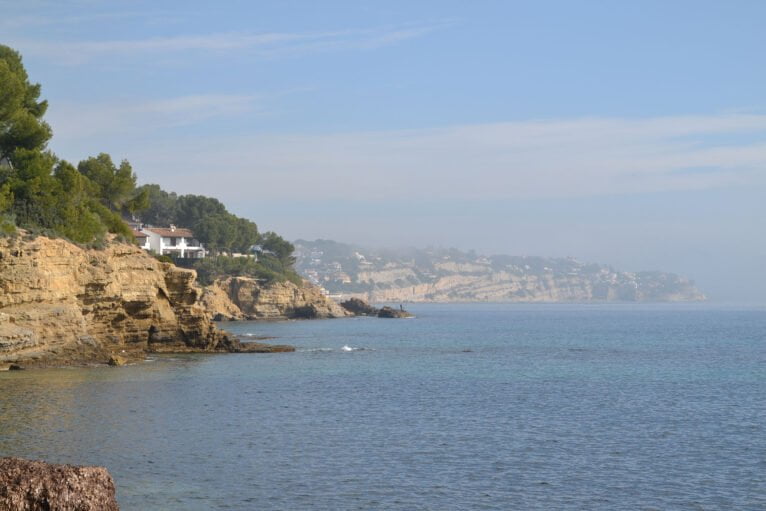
[(173, 242)]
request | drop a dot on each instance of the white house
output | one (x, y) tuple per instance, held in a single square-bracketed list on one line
[(173, 241), (142, 239)]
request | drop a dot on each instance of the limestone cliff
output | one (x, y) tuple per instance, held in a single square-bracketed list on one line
[(62, 304), (504, 286), (450, 275), (246, 298)]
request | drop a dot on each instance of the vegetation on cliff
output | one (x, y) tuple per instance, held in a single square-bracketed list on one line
[(267, 269), (46, 195), (42, 193), (223, 234)]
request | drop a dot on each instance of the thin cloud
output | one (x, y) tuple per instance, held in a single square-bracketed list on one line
[(524, 160), (73, 122), (30, 21), (267, 44)]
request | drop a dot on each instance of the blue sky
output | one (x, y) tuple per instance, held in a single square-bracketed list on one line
[(627, 133)]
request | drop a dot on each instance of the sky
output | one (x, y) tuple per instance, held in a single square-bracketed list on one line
[(626, 133)]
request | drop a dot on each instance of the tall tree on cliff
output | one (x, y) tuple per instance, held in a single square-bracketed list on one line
[(37, 191), (116, 186), (21, 110)]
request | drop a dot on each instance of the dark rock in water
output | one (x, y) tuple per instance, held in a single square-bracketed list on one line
[(38, 486), (389, 312), (359, 307)]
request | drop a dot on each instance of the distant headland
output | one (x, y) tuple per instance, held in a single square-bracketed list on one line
[(450, 275)]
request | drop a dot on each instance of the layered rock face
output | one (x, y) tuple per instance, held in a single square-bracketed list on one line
[(62, 304), (503, 286), (236, 298), (449, 275), (37, 486)]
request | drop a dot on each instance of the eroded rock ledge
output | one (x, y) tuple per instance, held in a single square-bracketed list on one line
[(61, 304), (37, 486), (359, 307), (245, 298)]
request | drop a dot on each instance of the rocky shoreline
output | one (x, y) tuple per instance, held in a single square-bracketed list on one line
[(64, 305)]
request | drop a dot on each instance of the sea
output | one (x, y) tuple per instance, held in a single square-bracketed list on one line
[(464, 407)]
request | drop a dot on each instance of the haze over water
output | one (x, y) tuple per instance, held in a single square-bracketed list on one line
[(465, 407)]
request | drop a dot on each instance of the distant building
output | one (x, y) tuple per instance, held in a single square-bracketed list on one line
[(174, 241), (259, 250)]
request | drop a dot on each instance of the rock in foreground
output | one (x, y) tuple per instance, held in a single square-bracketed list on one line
[(38, 486)]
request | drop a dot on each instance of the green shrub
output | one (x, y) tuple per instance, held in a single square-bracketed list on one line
[(265, 269)]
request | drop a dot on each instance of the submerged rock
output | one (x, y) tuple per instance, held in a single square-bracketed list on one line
[(38, 486), (258, 347)]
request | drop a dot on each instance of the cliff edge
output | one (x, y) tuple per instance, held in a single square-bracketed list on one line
[(237, 298), (61, 304)]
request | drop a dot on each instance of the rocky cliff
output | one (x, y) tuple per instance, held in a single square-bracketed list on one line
[(237, 298), (449, 275), (62, 304), (504, 286)]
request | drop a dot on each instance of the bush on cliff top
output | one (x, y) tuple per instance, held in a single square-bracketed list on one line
[(265, 269)]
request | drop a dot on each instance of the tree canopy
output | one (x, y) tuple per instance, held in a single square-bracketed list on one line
[(115, 186), (21, 111), (213, 225), (38, 191)]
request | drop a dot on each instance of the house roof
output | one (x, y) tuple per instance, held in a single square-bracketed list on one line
[(139, 234), (166, 232)]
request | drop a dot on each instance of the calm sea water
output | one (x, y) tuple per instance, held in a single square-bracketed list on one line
[(465, 407)]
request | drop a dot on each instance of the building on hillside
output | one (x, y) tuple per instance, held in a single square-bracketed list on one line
[(259, 250), (142, 239), (174, 241)]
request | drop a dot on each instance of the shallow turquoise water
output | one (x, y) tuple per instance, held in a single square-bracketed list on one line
[(464, 407)]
